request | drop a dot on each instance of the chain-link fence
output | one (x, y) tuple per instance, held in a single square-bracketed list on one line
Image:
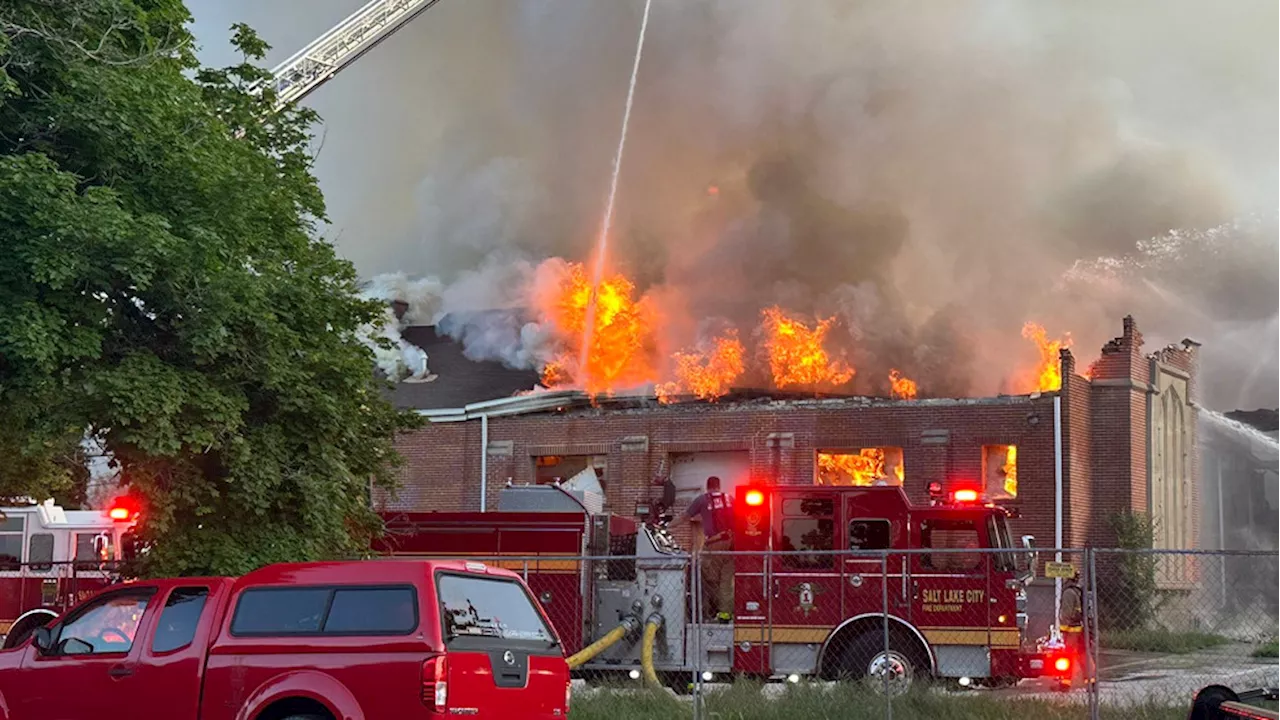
[(960, 631)]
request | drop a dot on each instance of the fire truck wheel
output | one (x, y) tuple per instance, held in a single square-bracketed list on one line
[(869, 661)]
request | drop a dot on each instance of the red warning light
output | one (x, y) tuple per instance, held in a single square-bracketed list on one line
[(754, 498), (122, 510), (965, 496), (1062, 664)]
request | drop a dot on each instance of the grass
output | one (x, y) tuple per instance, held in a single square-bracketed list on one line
[(1267, 650), (1159, 640), (745, 702)]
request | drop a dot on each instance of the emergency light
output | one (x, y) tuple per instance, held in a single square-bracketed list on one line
[(122, 511), (754, 498), (965, 496)]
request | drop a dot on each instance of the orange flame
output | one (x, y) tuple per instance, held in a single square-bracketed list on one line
[(706, 373), (621, 339), (1011, 471), (862, 469), (796, 355), (901, 387), (1048, 373)]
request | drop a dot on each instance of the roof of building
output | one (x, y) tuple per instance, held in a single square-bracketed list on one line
[(459, 380), (1267, 421)]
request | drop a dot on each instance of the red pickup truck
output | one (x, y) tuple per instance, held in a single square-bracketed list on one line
[(313, 641)]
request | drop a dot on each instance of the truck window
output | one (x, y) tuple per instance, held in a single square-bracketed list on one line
[(373, 611), (366, 610), (280, 611), (998, 532), (179, 619), (89, 557), (11, 541), (869, 535), (808, 524), (40, 552), (483, 609), (106, 626), (950, 535)]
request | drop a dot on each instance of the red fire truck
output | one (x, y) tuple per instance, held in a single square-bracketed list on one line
[(815, 570), (51, 558)]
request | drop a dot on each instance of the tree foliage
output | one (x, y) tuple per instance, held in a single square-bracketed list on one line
[(163, 288)]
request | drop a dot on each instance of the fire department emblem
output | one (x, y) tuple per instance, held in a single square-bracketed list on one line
[(806, 593), (753, 524)]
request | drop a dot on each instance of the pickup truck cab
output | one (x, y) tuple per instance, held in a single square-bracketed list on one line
[(312, 641)]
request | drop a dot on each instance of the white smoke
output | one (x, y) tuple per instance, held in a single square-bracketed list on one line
[(397, 358)]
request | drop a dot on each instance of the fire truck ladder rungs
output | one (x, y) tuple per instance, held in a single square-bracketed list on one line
[(324, 57)]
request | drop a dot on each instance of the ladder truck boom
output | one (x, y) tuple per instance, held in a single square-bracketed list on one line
[(346, 42)]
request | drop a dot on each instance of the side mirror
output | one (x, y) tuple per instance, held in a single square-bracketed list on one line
[(42, 638)]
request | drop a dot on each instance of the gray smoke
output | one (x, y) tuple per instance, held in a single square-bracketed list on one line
[(945, 164)]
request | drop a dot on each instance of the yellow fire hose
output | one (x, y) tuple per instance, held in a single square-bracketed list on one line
[(585, 654), (651, 628)]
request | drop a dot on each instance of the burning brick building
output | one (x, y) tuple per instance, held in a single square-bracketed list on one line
[(1121, 435)]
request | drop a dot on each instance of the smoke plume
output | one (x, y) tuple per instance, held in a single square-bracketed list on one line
[(933, 174)]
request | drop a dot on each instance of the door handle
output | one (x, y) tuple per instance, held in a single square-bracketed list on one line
[(120, 671)]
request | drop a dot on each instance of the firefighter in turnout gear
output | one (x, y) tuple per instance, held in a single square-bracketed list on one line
[(714, 510)]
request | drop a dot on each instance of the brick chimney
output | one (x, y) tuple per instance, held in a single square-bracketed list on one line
[(1119, 387)]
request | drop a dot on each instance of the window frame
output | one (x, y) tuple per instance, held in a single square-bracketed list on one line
[(849, 530), (475, 642), (811, 560), (332, 590), (204, 605), (21, 534), (42, 567), (147, 593), (926, 559)]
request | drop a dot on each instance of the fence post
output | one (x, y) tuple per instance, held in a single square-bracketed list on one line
[(695, 577), (884, 616), (1091, 626)]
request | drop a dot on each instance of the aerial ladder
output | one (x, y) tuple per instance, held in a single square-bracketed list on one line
[(346, 42)]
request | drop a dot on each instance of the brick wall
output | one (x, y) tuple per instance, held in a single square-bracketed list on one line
[(1104, 438), (941, 440), (1119, 388)]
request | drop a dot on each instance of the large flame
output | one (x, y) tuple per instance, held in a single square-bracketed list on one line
[(1011, 471), (1048, 373), (708, 371), (795, 352), (901, 387), (862, 469), (620, 354)]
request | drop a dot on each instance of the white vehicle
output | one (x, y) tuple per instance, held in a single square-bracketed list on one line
[(51, 558)]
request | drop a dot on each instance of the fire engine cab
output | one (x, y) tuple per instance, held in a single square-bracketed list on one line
[(51, 558), (814, 571)]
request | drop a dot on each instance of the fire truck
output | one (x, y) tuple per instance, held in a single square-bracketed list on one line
[(51, 558), (829, 582)]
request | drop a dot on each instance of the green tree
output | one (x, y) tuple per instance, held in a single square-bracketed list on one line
[(163, 288)]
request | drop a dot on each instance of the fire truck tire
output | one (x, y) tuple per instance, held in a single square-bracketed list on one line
[(866, 659), (25, 625)]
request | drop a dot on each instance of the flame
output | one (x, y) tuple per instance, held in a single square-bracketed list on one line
[(796, 355), (708, 372), (1011, 471), (1048, 373), (862, 469), (621, 338), (901, 387)]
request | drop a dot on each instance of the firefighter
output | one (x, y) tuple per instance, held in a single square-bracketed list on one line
[(715, 511), (1071, 625)]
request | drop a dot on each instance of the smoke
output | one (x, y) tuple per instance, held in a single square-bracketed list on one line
[(928, 172)]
